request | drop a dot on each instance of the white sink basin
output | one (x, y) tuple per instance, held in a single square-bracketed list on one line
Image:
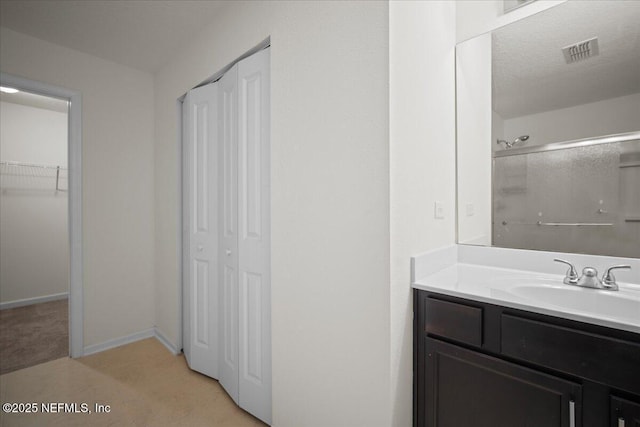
[(610, 304)]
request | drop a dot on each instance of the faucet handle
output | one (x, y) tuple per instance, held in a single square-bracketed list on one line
[(609, 280), (572, 275)]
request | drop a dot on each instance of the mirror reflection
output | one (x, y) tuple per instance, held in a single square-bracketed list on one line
[(549, 132)]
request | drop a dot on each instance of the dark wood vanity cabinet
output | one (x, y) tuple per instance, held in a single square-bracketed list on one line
[(484, 365), (467, 388)]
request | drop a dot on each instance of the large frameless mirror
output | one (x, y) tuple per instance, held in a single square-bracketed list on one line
[(549, 132)]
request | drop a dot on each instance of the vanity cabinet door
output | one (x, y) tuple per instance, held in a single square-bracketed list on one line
[(466, 388), (624, 413)]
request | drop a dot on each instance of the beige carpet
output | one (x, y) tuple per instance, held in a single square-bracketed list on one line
[(143, 384), (33, 334)]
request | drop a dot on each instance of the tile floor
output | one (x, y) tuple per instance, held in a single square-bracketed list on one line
[(142, 382)]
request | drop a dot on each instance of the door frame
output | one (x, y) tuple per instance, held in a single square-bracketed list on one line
[(74, 213)]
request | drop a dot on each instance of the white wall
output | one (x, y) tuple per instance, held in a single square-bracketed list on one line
[(117, 156), (610, 116), (330, 199), (33, 134), (422, 139), (33, 216)]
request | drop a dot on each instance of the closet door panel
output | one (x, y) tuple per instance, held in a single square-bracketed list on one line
[(254, 236), (202, 229), (186, 227), (228, 189)]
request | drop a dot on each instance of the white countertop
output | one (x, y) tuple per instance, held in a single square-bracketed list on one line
[(521, 289)]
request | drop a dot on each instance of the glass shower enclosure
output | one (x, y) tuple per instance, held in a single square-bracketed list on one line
[(578, 196)]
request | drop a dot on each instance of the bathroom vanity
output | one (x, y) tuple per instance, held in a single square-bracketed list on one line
[(498, 347), (488, 365), (548, 165)]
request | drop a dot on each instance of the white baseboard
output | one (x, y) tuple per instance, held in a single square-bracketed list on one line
[(165, 341), (117, 342), (34, 300)]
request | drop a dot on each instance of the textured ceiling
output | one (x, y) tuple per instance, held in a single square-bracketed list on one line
[(139, 34), (530, 74)]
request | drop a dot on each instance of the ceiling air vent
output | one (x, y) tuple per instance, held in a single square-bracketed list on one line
[(581, 50)]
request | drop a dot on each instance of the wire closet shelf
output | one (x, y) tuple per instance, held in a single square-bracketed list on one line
[(34, 173)]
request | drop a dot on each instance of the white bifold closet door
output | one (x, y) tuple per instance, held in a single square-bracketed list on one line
[(200, 231), (251, 375), (242, 218)]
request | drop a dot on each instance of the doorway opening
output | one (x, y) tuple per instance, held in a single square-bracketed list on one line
[(40, 224)]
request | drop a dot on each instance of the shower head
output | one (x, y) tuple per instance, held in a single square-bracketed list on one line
[(509, 144)]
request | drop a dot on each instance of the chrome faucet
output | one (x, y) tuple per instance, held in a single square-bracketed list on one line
[(609, 280), (571, 278), (589, 278)]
